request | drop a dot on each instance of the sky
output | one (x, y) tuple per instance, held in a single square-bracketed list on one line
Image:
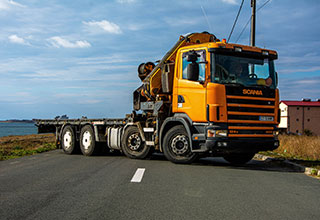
[(80, 58)]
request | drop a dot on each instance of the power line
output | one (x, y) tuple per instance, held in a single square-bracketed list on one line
[(235, 21), (250, 19), (244, 29), (263, 5)]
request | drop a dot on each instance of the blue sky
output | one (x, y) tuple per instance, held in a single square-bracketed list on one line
[(80, 58)]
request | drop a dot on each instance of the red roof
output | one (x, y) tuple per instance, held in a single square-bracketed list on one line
[(301, 103)]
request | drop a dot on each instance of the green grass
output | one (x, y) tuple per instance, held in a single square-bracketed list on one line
[(18, 151), (19, 146)]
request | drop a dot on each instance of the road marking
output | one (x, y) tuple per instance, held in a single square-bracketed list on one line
[(15, 162), (137, 177)]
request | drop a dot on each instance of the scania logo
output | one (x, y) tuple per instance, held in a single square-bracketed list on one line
[(252, 92)]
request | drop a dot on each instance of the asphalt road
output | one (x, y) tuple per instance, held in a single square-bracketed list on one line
[(53, 185)]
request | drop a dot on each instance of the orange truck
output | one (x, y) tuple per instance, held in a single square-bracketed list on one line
[(205, 97)]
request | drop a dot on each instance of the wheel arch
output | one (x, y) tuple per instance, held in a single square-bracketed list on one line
[(170, 123)]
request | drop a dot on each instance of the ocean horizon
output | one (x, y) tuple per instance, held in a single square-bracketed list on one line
[(17, 128)]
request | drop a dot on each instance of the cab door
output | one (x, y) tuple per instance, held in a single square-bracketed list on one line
[(191, 95)]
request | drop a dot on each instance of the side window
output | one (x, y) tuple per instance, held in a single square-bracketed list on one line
[(202, 65)]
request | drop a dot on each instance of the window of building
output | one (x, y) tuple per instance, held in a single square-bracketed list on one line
[(298, 108), (297, 131), (297, 119), (308, 119), (308, 108)]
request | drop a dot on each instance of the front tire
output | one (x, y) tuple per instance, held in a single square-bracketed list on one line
[(68, 142), (132, 144), (239, 159), (177, 147), (88, 143)]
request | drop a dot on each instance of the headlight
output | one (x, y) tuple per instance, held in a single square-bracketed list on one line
[(217, 133), (275, 133)]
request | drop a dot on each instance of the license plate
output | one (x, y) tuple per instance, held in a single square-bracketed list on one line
[(266, 118)]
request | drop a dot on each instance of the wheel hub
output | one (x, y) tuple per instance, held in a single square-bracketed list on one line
[(179, 144), (134, 142), (67, 140), (86, 140)]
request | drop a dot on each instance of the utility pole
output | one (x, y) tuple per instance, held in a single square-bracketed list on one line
[(253, 24)]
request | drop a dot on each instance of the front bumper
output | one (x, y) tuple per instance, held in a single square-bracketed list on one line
[(243, 145)]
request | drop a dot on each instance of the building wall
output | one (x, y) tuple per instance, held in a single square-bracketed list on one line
[(295, 119), (301, 118), (283, 116), (312, 119)]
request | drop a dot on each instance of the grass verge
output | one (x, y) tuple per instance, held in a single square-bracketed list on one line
[(18, 146)]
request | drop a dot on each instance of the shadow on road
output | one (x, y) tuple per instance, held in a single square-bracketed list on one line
[(266, 165)]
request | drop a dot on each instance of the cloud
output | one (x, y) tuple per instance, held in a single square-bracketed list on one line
[(17, 40), (105, 25), (7, 4), (60, 42), (126, 1), (233, 2), (300, 70), (298, 88)]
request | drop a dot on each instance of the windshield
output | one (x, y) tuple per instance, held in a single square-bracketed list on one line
[(243, 71)]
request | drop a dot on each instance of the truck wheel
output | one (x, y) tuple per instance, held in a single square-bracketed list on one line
[(68, 142), (239, 158), (132, 144), (88, 144), (176, 146)]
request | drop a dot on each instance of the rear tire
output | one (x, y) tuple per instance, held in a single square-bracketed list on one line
[(239, 159), (88, 143), (68, 140), (176, 146), (132, 144)]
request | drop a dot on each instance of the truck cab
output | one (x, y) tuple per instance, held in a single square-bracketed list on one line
[(229, 94)]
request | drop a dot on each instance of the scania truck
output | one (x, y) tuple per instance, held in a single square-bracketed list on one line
[(205, 97)]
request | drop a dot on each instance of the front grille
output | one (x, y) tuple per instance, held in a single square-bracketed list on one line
[(249, 116), (243, 117), (251, 102), (244, 109)]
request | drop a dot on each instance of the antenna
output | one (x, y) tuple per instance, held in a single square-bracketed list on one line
[(206, 17)]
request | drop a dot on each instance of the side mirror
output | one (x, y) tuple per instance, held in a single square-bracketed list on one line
[(276, 79), (193, 71), (192, 56)]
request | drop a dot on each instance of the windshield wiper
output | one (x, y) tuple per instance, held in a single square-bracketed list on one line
[(259, 86), (234, 84)]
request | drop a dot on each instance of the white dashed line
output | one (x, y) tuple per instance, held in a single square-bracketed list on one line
[(15, 162), (137, 177)]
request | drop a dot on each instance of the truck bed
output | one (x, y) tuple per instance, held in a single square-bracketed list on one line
[(50, 125)]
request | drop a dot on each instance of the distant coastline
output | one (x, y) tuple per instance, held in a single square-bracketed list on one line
[(17, 121)]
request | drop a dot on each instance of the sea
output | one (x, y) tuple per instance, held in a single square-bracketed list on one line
[(18, 128)]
